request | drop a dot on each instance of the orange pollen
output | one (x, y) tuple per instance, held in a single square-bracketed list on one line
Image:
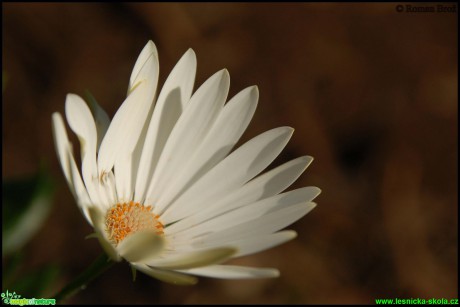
[(127, 218)]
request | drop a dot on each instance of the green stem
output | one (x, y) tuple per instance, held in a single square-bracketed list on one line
[(99, 266)]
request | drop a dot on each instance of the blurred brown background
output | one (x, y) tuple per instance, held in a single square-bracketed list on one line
[(371, 92)]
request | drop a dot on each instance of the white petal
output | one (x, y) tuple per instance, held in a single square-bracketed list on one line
[(143, 69), (255, 244), (126, 170), (124, 131), (171, 102), (266, 185), (193, 125), (82, 123), (124, 178), (263, 242), (231, 173), (233, 272), (266, 224), (140, 246), (135, 162), (83, 200), (97, 217), (172, 277), (107, 190), (246, 213), (101, 118), (305, 195), (69, 167), (223, 135), (61, 143), (126, 127), (193, 259)]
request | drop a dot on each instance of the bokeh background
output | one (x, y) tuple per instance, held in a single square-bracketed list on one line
[(372, 94)]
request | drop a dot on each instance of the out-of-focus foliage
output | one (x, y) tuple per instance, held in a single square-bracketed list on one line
[(34, 283), (26, 205)]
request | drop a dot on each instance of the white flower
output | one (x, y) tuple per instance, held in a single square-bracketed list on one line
[(160, 186)]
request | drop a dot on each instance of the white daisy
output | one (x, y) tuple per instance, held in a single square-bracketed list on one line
[(160, 186)]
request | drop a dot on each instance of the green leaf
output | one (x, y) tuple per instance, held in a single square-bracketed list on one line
[(26, 205)]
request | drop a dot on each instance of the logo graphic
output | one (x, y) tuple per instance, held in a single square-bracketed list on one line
[(8, 296), (12, 298)]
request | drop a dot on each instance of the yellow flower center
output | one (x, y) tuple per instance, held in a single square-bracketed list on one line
[(128, 218)]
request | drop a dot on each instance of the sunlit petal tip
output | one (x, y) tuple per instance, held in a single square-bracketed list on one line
[(80, 118), (189, 60), (70, 96), (317, 190), (223, 76), (152, 47), (190, 53), (311, 206), (308, 159), (61, 141), (255, 92), (286, 129), (72, 102), (233, 272), (215, 86), (274, 274), (291, 234), (54, 114), (146, 67), (259, 243), (57, 126), (149, 49), (142, 245)]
